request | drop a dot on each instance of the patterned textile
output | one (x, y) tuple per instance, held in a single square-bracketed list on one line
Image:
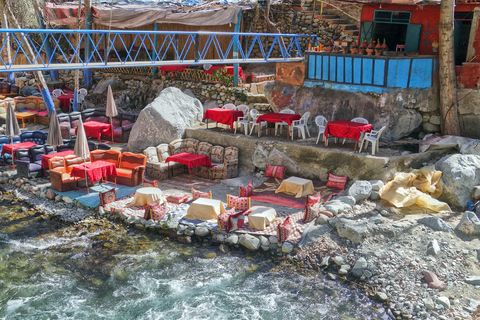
[(150, 183), (204, 149), (314, 198), (107, 197), (162, 152), (235, 222), (217, 154), (218, 172), (199, 194), (246, 191), (65, 130), (224, 217), (238, 203), (231, 162), (336, 181), (156, 210), (275, 171), (156, 170), (151, 154), (177, 146), (284, 230), (178, 198), (190, 145), (95, 170)]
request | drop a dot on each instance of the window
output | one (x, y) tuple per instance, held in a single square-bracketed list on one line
[(392, 16)]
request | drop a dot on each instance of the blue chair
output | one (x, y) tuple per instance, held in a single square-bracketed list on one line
[(29, 162), (7, 158), (37, 136)]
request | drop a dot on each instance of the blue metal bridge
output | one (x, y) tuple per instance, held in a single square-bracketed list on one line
[(90, 49)]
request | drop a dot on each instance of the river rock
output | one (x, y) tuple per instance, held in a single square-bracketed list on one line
[(336, 206), (475, 280), (287, 247), (433, 248), (476, 193), (50, 194), (355, 231), (360, 266), (460, 174), (360, 190), (232, 240), (273, 239), (165, 119), (348, 200), (321, 219), (218, 237), (435, 223), (264, 241), (250, 242), (376, 184), (433, 282), (201, 231), (444, 301), (469, 224), (338, 260), (325, 262)]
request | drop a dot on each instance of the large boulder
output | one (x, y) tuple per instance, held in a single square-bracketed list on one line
[(165, 119), (469, 224), (460, 174), (360, 190)]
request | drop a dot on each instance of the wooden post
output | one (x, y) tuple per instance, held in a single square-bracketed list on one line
[(235, 50), (473, 33), (3, 19), (87, 73)]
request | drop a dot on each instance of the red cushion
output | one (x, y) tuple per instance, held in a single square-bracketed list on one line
[(126, 173), (107, 197), (156, 210), (313, 198), (239, 203), (235, 222), (275, 171), (178, 198), (150, 183), (284, 230), (199, 194), (336, 181), (246, 191), (224, 217)]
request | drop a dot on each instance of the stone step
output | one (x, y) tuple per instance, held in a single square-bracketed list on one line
[(262, 107), (256, 98), (258, 87)]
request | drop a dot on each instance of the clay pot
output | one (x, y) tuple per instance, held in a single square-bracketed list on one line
[(328, 48), (353, 50), (369, 51)]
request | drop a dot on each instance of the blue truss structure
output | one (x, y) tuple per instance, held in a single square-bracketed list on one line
[(96, 49)]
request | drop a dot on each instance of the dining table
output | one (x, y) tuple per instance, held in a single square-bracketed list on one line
[(273, 117), (10, 149), (191, 160), (346, 129), (223, 116), (95, 129), (95, 171)]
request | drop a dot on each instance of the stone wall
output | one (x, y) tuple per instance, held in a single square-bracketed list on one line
[(310, 162)]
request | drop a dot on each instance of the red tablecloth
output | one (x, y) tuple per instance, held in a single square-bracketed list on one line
[(7, 148), (94, 129), (225, 116), (95, 170), (279, 117), (49, 156), (65, 101), (191, 160), (230, 70), (177, 68), (346, 129)]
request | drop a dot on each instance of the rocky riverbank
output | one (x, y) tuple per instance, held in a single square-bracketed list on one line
[(421, 266)]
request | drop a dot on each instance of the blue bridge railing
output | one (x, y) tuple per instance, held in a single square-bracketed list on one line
[(89, 49)]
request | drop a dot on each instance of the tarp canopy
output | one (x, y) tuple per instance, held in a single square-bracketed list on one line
[(133, 15)]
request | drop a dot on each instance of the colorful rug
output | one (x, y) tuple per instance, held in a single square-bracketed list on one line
[(182, 182), (266, 193)]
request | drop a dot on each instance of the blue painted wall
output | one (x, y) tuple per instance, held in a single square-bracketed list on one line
[(376, 74)]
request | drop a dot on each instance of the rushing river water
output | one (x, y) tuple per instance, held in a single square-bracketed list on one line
[(102, 270)]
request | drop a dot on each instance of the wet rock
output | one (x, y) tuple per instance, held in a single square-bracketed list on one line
[(202, 231), (433, 248), (218, 237), (273, 239), (250, 242), (224, 248), (265, 248), (474, 280), (184, 239), (209, 255), (325, 262), (469, 224), (189, 232), (232, 240), (433, 282), (359, 267), (287, 247), (381, 296), (360, 190), (172, 225), (435, 223), (338, 260)]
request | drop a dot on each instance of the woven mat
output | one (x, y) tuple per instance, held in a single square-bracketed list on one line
[(182, 182), (266, 193)]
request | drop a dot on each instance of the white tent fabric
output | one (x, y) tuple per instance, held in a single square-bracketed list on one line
[(54, 138), (81, 144), (111, 110), (12, 128)]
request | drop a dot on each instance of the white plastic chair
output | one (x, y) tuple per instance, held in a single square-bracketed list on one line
[(254, 115), (321, 123), (280, 124), (229, 106), (374, 138), (245, 120), (57, 93), (358, 120), (83, 91), (301, 125)]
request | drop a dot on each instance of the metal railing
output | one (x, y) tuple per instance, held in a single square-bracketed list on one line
[(126, 48)]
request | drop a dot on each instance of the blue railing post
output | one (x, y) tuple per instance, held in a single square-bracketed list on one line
[(48, 48), (235, 50), (154, 50), (87, 73)]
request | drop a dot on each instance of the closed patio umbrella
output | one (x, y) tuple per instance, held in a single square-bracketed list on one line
[(81, 147), (12, 128), (111, 109), (54, 138)]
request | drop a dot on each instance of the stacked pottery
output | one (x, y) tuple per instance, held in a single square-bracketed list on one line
[(354, 48), (363, 47), (370, 48)]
